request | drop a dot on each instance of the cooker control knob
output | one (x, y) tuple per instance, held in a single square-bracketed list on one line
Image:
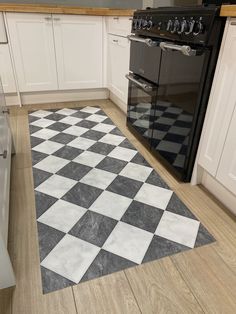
[(198, 28), (183, 27), (190, 26), (144, 24), (169, 25), (135, 23), (140, 23), (149, 24), (176, 26)]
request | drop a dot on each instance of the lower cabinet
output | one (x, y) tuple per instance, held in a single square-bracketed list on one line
[(6, 70), (79, 51), (118, 66)]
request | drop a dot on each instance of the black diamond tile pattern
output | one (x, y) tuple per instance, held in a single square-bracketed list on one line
[(86, 231)]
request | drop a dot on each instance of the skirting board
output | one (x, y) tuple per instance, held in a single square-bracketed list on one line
[(219, 191), (57, 96), (118, 102)]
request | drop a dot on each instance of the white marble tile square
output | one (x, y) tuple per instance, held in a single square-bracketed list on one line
[(70, 120), (51, 164), (81, 143), (45, 134), (178, 228), (75, 130), (71, 257), (96, 118), (129, 242), (48, 147), (153, 196), (56, 186), (98, 178), (112, 139), (122, 153), (62, 215), (42, 123), (40, 113), (66, 111), (102, 127), (90, 109), (136, 172), (111, 205), (89, 158)]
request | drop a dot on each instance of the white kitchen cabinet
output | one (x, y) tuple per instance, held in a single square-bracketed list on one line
[(32, 41), (226, 173), (221, 103), (118, 66), (6, 70), (119, 25), (79, 51)]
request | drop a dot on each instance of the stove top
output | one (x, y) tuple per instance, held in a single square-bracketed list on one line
[(188, 24)]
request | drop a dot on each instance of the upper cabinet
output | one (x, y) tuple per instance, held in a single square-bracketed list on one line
[(79, 51), (6, 70), (32, 42), (221, 103)]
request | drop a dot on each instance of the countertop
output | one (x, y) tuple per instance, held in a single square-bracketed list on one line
[(228, 10), (63, 9)]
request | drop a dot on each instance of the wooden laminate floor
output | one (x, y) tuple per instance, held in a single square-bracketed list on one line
[(202, 280)]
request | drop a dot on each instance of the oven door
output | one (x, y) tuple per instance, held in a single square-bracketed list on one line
[(141, 105), (179, 103)]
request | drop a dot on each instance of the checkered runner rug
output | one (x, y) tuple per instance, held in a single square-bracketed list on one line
[(100, 206)]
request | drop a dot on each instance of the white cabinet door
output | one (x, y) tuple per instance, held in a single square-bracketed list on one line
[(221, 103), (32, 42), (6, 70), (226, 173), (118, 66), (79, 51)]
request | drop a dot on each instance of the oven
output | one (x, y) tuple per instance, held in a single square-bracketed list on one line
[(169, 84)]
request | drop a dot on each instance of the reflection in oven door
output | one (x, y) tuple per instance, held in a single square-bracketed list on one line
[(142, 100)]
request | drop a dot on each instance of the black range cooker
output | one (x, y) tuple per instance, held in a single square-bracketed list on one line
[(173, 57)]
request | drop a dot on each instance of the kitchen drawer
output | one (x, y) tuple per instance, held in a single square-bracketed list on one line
[(119, 25)]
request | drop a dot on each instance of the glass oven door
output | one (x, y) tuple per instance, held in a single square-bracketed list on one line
[(179, 100), (141, 105)]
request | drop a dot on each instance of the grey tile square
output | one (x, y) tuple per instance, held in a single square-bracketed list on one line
[(35, 141), (112, 164), (93, 135), (68, 152), (58, 126), (140, 160), (63, 138), (143, 216), (161, 247), (101, 112), (37, 157), (125, 186), (203, 237), (32, 118), (81, 115), (108, 121), (101, 148), (48, 239), (55, 116), (86, 124), (126, 143), (155, 179), (116, 131), (74, 171), (52, 281), (82, 194), (40, 176), (176, 206), (93, 228), (33, 129), (43, 202), (106, 263)]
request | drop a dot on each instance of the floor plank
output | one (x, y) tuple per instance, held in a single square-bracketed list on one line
[(159, 288), (105, 295)]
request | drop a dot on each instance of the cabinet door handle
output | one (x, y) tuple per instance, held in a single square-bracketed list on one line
[(4, 154), (115, 40), (56, 19), (233, 23), (116, 18), (48, 18), (6, 111)]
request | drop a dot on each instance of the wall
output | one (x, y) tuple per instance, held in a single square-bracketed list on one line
[(87, 3)]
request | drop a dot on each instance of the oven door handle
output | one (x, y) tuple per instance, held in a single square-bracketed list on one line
[(148, 41), (145, 87), (186, 50)]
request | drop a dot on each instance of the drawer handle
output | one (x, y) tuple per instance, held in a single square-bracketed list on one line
[(56, 19), (6, 111), (4, 154), (48, 18), (233, 23), (115, 40), (116, 18)]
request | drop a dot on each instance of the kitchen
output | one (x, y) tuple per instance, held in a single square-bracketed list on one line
[(117, 157)]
